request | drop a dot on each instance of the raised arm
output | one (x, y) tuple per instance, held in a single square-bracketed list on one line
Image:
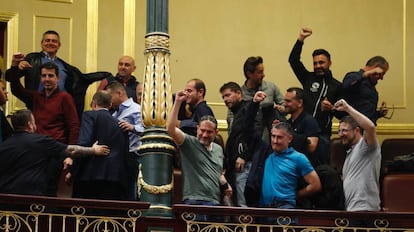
[(173, 131), (294, 58), (364, 122)]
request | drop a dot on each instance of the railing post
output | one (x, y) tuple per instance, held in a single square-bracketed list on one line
[(157, 149)]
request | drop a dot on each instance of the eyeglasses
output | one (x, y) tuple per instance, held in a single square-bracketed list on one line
[(392, 113)]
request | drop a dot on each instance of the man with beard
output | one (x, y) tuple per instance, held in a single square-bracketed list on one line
[(238, 158), (272, 107), (360, 91), (195, 90), (361, 169), (201, 158), (320, 88)]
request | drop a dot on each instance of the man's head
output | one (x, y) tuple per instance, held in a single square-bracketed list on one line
[(196, 91), (49, 76), (23, 120), (50, 42), (281, 136), (207, 130), (118, 93), (3, 93), (126, 66), (293, 100), (139, 92), (377, 62), (321, 62), (231, 94), (101, 99), (349, 131), (254, 70)]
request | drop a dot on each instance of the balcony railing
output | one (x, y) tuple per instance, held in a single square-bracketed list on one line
[(46, 214)]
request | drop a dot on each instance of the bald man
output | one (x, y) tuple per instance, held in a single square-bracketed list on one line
[(126, 66)]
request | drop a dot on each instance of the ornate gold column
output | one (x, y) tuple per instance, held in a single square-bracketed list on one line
[(157, 150)]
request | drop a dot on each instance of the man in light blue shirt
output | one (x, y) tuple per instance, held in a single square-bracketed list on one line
[(129, 114)]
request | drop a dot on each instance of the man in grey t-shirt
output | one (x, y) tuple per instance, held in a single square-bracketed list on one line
[(363, 160), (201, 159)]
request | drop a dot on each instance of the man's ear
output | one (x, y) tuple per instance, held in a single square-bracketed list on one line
[(201, 91), (300, 102)]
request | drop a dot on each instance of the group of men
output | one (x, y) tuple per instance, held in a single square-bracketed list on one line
[(54, 94), (266, 153), (268, 175)]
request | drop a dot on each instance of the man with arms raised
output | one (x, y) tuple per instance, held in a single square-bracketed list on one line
[(71, 80), (201, 158), (321, 89), (361, 169), (195, 91), (54, 110)]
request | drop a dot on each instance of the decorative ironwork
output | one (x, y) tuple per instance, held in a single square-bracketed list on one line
[(153, 189), (246, 223), (77, 219)]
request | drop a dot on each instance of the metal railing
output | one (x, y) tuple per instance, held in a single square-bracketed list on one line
[(48, 214)]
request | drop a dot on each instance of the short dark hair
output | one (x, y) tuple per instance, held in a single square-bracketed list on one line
[(300, 94), (20, 119), (233, 86), (199, 84), (251, 63), (350, 120), (103, 98), (115, 85), (284, 126), (321, 51), (49, 65), (377, 60), (51, 32), (210, 118)]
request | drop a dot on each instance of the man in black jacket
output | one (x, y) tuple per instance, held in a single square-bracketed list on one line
[(320, 87), (71, 79), (237, 156)]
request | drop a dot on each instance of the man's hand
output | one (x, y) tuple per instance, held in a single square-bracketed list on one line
[(67, 163), (304, 33), (125, 126), (383, 109), (341, 105), (278, 107), (259, 96), (326, 105), (376, 70), (239, 165), (100, 149), (17, 58), (24, 65), (229, 191), (181, 96)]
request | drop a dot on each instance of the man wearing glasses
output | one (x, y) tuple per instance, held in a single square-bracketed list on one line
[(361, 169)]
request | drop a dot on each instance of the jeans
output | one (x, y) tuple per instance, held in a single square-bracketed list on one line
[(240, 179)]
